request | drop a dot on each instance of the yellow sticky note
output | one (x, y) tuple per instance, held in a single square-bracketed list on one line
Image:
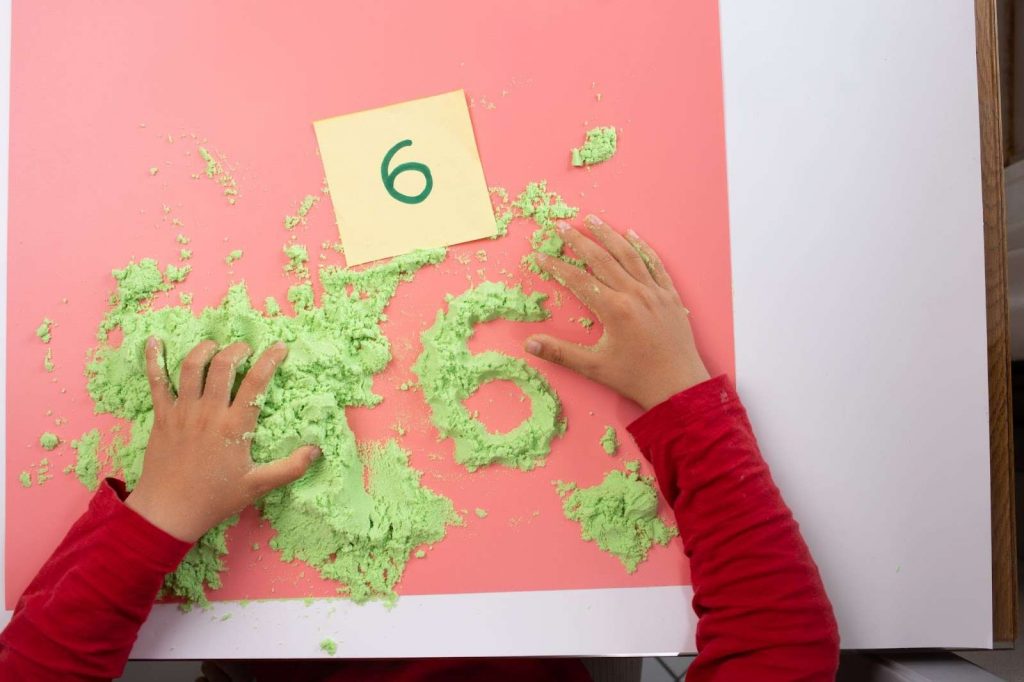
[(404, 177)]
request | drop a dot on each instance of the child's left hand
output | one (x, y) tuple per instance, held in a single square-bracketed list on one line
[(197, 469)]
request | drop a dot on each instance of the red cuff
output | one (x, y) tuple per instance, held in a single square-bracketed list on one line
[(137, 535), (683, 408)]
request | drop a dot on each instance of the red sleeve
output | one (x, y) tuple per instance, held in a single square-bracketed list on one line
[(763, 612), (78, 618)]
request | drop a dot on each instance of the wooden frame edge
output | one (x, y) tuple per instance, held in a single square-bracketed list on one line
[(1004, 539)]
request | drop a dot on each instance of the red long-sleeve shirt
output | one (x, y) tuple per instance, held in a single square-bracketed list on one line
[(763, 610)]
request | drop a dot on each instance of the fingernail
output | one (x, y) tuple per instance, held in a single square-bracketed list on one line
[(594, 220), (562, 225), (154, 342), (632, 234), (533, 347), (542, 257), (281, 345), (314, 454)]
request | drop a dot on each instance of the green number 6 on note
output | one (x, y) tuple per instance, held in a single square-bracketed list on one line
[(389, 176)]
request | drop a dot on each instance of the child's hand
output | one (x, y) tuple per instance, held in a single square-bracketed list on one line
[(197, 470), (647, 352)]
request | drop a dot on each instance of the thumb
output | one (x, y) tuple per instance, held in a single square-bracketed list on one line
[(570, 355), (280, 472)]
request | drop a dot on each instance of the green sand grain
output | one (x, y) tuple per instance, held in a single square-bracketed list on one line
[(610, 440), (235, 255), (43, 471), (25, 479), (620, 515), (44, 329), (298, 256), (481, 513), (300, 217), (49, 440), (215, 170), (599, 146), (563, 488), (329, 647), (48, 360), (175, 274), (449, 374)]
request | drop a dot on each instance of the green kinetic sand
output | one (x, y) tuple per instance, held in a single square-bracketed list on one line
[(537, 204), (544, 208), (449, 374), (600, 146), (480, 513), (43, 330), (620, 515), (25, 479), (215, 170), (49, 440), (298, 256), (359, 534), (610, 441), (300, 217), (235, 255), (48, 360), (176, 274), (87, 463), (329, 647), (43, 471)]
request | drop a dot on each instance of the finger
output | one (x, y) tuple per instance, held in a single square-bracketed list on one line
[(651, 260), (602, 263), (266, 477), (628, 257), (156, 371), (258, 378), (223, 368), (581, 283), (193, 370), (565, 353)]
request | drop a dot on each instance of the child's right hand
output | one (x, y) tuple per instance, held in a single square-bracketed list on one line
[(197, 469), (647, 352)]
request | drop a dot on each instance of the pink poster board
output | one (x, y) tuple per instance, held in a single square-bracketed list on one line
[(97, 100)]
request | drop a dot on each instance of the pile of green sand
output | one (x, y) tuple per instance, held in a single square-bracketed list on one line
[(359, 536), (600, 146), (620, 514), (449, 374)]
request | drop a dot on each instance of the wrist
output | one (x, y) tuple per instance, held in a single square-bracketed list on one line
[(163, 517), (662, 391)]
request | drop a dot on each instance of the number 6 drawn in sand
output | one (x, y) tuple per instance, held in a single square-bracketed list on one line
[(449, 374)]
